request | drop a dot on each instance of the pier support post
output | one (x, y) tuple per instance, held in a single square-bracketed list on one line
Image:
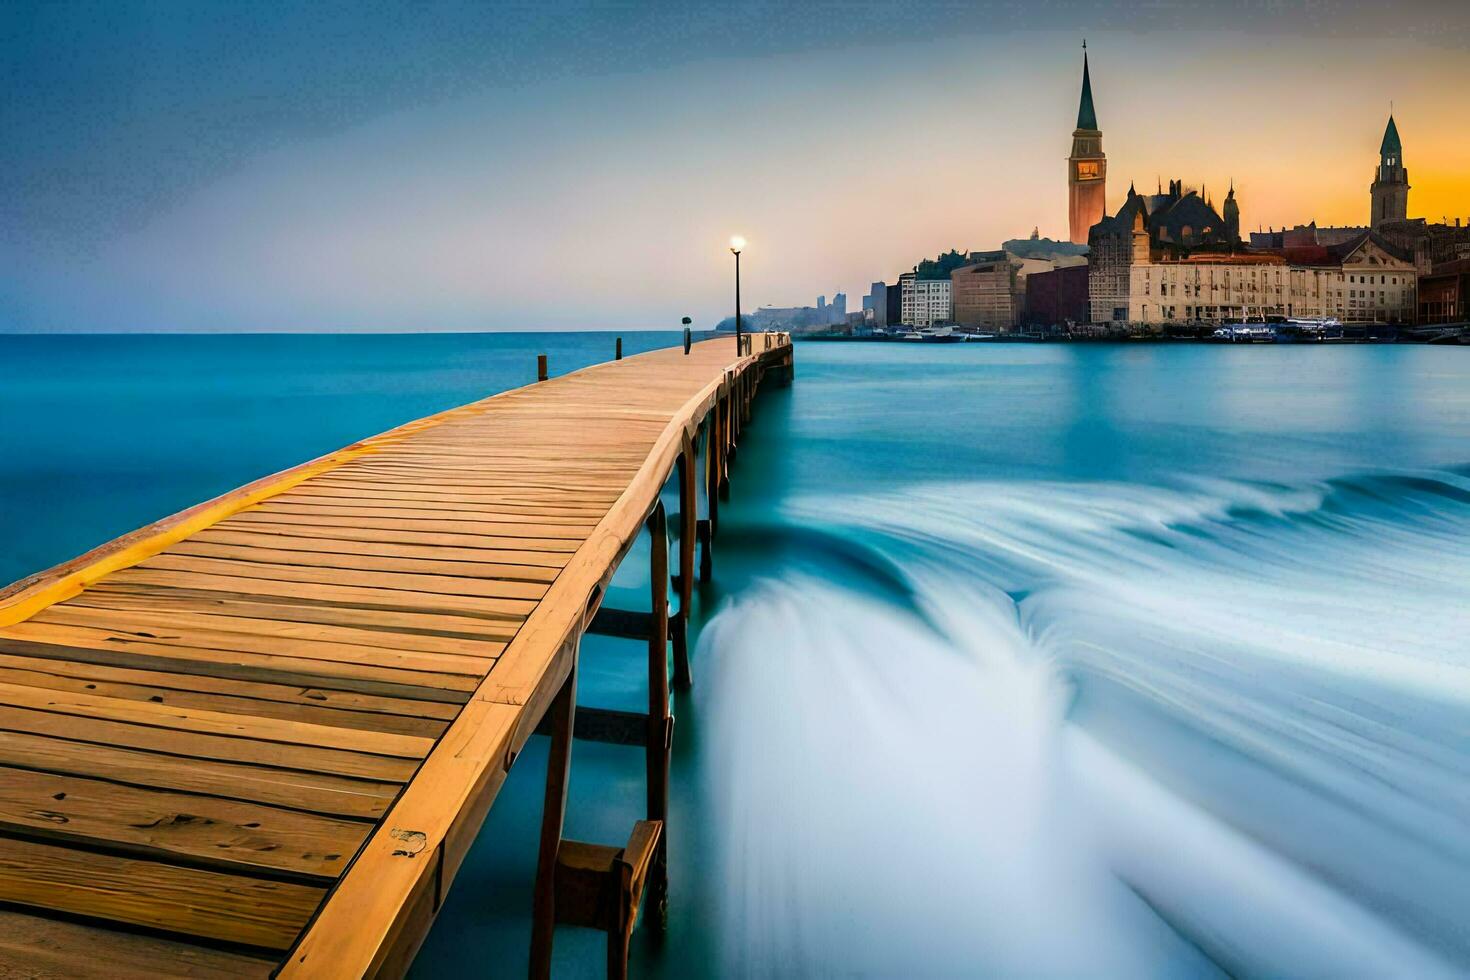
[(618, 350), (660, 722), (704, 527), (553, 815), (688, 531), (725, 445), (541, 367)]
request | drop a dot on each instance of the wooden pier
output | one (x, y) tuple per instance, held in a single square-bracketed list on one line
[(259, 736)]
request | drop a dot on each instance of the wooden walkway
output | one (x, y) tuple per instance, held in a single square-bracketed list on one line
[(260, 735)]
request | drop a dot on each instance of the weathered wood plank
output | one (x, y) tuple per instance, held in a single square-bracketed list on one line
[(34, 947), (383, 681), (383, 598), (264, 549), (71, 627), (375, 534), (168, 825), (242, 688), (195, 720), (288, 704), (79, 730), (449, 585), (312, 792), (402, 626), (166, 611), (189, 901)]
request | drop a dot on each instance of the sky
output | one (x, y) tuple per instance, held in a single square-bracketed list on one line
[(570, 165)]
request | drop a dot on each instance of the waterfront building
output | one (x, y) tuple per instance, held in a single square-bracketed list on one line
[(1171, 223), (924, 301), (1057, 297), (895, 305), (1389, 191), (1444, 294), (1087, 167), (1365, 281), (984, 293)]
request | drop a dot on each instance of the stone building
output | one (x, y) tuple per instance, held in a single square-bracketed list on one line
[(1431, 245), (1172, 224), (1365, 281), (1444, 294), (984, 293), (1087, 167)]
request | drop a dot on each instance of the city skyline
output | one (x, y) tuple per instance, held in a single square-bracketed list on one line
[(579, 197)]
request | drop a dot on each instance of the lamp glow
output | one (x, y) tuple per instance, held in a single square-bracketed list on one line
[(737, 244)]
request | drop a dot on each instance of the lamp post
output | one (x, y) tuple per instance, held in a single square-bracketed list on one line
[(737, 244)]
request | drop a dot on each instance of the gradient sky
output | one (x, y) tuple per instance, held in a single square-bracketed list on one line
[(424, 166)]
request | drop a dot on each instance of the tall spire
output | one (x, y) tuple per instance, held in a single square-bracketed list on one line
[(1391, 142), (1086, 115)]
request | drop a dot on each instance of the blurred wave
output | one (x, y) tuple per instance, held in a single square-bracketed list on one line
[(1100, 729)]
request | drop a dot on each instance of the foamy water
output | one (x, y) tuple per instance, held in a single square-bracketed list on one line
[(1101, 729)]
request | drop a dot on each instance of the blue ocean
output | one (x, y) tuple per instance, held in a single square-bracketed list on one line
[(1019, 660)]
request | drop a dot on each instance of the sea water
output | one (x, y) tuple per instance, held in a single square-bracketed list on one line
[(1048, 660)]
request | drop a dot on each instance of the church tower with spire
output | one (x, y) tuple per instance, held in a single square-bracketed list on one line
[(1087, 167), (1390, 190), (1232, 216)]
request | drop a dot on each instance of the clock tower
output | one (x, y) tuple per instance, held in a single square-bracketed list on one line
[(1087, 167)]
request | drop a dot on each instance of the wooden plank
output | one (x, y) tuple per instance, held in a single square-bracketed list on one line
[(348, 531), (149, 823), (310, 792), (534, 566), (432, 520), (104, 732), (384, 681), (434, 496), (35, 947), (394, 503), (227, 687), (296, 708), (383, 598), (510, 536), (88, 705), (188, 901), (448, 585), (260, 552), (401, 626), (70, 627), (166, 613)]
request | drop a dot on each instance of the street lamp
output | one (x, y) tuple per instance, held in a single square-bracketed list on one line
[(737, 244)]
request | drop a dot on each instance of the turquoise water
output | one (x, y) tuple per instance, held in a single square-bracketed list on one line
[(102, 434), (1019, 660)]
